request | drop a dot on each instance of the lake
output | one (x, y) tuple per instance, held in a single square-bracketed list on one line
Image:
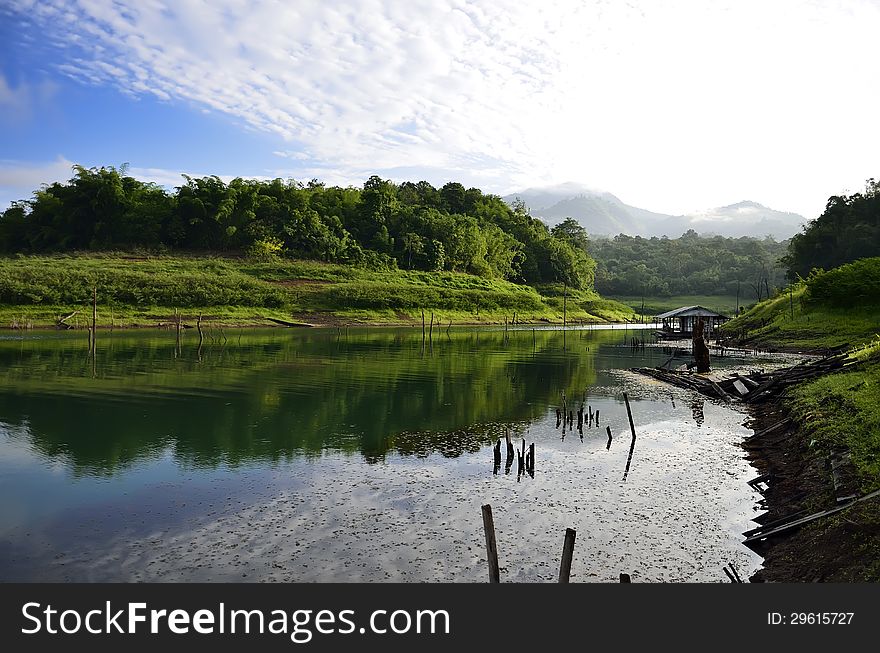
[(359, 455)]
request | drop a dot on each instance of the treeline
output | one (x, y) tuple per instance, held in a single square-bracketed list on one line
[(688, 265), (847, 230), (380, 226)]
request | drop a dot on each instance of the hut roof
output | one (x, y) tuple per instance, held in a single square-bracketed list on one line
[(689, 311)]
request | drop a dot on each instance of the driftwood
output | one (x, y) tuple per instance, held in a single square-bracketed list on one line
[(62, 321), (760, 534), (288, 324), (752, 387)]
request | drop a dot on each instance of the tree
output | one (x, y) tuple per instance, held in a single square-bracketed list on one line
[(570, 230)]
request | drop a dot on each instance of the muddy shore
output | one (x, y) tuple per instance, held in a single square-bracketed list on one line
[(839, 548)]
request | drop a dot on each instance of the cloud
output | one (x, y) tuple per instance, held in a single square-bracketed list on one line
[(18, 174), (18, 103), (19, 179), (650, 99)]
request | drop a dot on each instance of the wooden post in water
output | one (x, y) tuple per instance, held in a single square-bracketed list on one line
[(94, 338), (201, 336), (491, 549), (632, 445), (567, 554), (423, 324), (177, 332), (608, 431), (564, 312), (431, 330), (632, 427)]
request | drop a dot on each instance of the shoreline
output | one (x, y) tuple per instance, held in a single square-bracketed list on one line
[(819, 519), (315, 320), (803, 480)]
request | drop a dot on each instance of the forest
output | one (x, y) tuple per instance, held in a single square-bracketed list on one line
[(848, 229), (688, 265), (382, 226), (385, 226)]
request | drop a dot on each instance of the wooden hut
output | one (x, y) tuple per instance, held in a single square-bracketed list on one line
[(679, 323)]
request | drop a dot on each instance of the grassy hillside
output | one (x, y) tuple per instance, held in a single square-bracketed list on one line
[(145, 290), (844, 411), (831, 309), (837, 308), (724, 304)]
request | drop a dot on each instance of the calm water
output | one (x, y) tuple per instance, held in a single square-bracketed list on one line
[(319, 455)]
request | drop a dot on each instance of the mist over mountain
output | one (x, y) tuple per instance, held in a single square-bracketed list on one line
[(603, 214)]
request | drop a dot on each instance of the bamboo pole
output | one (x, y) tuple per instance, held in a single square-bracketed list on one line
[(629, 414), (93, 341), (491, 548), (567, 555), (177, 333), (201, 335)]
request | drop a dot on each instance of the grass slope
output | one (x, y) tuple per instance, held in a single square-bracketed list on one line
[(844, 411), (724, 304), (790, 320), (138, 290), (838, 308)]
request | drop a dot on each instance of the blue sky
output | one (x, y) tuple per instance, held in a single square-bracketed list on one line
[(673, 106)]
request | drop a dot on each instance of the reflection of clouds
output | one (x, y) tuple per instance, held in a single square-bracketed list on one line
[(418, 519)]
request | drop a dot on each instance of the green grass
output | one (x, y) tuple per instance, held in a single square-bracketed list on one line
[(136, 290), (838, 308), (724, 304), (843, 410), (788, 320)]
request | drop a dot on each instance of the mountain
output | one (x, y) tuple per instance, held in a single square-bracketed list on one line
[(603, 214), (740, 219)]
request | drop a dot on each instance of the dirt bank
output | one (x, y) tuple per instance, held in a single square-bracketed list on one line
[(843, 547)]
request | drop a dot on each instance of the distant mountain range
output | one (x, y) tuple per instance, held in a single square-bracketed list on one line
[(603, 214)]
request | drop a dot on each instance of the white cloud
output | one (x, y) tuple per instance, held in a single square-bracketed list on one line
[(671, 105), (17, 103), (18, 180)]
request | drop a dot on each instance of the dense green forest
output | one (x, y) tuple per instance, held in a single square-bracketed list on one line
[(688, 265), (847, 230), (381, 226)]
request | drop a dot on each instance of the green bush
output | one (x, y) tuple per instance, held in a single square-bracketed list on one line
[(853, 284)]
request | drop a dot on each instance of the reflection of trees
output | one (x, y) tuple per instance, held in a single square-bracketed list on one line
[(279, 394)]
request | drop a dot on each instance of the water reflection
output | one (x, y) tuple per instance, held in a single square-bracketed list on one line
[(273, 395), (324, 455), (697, 410)]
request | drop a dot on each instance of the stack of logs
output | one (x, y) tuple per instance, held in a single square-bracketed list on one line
[(754, 387)]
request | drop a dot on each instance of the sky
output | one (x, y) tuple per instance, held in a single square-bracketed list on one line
[(673, 106)]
